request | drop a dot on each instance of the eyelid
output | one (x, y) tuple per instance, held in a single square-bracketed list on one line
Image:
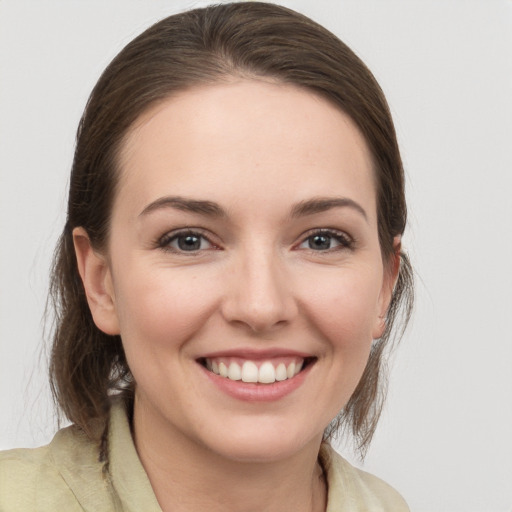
[(164, 241), (346, 241)]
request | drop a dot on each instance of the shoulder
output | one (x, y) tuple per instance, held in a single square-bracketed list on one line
[(29, 480), (64, 475), (353, 489)]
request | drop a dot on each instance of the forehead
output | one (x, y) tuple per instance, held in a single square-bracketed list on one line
[(239, 137)]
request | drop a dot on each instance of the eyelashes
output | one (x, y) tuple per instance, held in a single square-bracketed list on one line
[(190, 241), (324, 240), (194, 241)]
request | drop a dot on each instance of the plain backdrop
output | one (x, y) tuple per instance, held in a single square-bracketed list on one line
[(445, 439)]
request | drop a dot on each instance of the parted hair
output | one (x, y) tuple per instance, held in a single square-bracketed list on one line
[(200, 47)]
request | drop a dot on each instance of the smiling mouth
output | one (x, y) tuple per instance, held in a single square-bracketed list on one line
[(257, 372)]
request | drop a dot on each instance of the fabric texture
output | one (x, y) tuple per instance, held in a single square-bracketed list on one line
[(67, 476)]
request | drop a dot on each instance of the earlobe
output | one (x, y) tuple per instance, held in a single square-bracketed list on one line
[(391, 273), (97, 280)]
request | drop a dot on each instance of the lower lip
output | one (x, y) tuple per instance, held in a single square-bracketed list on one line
[(249, 392)]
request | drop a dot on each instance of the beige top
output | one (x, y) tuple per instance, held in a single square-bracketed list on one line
[(67, 476)]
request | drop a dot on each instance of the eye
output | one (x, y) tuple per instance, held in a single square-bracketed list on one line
[(185, 241), (326, 240)]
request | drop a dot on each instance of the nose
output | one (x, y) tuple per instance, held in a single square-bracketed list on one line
[(259, 293)]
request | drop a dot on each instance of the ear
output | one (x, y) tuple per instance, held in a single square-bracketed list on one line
[(391, 271), (97, 280)]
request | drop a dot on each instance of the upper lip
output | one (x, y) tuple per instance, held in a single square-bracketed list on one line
[(255, 354)]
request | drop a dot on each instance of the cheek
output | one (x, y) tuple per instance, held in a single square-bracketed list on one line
[(162, 309), (344, 307)]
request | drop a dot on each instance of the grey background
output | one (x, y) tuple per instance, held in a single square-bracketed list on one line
[(446, 67)]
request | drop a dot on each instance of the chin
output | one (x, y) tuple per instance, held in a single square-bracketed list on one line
[(263, 442)]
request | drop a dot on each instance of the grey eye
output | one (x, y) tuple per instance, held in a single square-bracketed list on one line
[(326, 241), (188, 242), (320, 242)]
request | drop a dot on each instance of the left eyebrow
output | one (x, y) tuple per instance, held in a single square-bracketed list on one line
[(323, 204)]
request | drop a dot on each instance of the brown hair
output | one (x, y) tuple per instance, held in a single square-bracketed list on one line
[(199, 47)]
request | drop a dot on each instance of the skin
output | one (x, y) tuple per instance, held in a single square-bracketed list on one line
[(257, 149)]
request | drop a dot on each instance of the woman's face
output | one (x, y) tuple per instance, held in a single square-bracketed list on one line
[(244, 242)]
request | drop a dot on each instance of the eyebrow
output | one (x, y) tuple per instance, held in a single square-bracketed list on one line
[(208, 208), (212, 209), (323, 204)]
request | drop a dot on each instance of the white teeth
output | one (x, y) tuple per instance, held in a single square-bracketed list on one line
[(267, 373), (234, 372), (281, 373), (249, 372), (223, 370)]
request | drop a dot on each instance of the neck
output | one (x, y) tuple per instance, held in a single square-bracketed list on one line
[(187, 476)]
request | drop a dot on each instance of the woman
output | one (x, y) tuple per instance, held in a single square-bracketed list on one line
[(227, 278)]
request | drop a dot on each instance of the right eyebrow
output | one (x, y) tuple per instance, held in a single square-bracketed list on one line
[(208, 208)]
